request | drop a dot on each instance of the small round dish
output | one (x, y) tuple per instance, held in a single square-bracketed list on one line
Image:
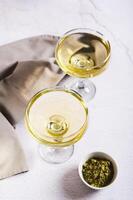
[(98, 155)]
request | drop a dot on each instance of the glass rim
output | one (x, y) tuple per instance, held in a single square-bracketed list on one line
[(85, 30)]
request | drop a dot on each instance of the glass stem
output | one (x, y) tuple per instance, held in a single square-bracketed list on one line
[(80, 84), (55, 155)]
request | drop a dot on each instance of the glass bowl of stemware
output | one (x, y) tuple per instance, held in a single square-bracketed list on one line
[(57, 118), (83, 53)]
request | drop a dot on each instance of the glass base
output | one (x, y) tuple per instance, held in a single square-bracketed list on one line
[(55, 155), (85, 88)]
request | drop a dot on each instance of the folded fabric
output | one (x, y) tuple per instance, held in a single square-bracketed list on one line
[(35, 70), (26, 67), (34, 48), (12, 159)]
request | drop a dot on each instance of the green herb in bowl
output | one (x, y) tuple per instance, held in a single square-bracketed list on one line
[(98, 172)]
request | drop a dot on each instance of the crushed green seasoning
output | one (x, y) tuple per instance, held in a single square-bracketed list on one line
[(98, 172)]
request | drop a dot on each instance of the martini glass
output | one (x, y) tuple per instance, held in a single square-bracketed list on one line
[(57, 118), (83, 53)]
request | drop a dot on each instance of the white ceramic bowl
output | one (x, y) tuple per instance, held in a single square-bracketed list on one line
[(98, 155)]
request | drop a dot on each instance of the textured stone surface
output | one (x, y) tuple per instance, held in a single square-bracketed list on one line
[(111, 111)]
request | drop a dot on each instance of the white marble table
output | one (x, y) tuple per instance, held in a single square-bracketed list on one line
[(111, 112)]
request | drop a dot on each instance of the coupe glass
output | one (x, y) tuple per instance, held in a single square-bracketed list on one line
[(83, 53), (56, 118)]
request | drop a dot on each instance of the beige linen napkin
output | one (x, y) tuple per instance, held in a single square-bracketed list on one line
[(26, 67), (12, 159)]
